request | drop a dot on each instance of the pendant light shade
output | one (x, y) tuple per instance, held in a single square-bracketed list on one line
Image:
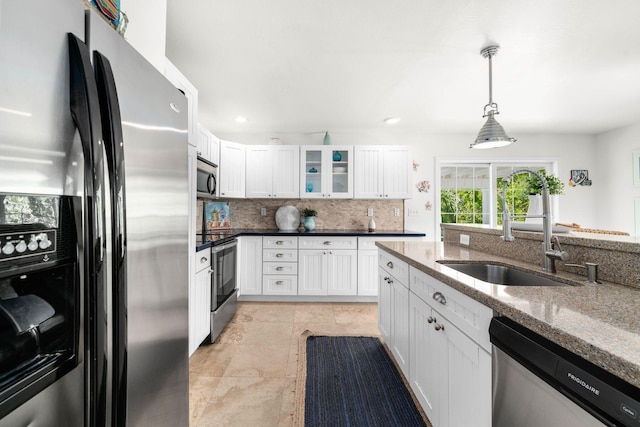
[(492, 134)]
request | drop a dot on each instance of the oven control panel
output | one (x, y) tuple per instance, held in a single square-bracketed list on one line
[(31, 243)]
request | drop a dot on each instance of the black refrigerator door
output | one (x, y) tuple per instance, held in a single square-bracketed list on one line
[(114, 146), (86, 115)]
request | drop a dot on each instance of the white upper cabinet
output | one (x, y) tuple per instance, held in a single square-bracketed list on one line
[(191, 93), (273, 171), (208, 145), (326, 171), (382, 172), (231, 172)]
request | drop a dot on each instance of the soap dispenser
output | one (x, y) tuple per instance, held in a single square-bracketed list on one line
[(372, 225)]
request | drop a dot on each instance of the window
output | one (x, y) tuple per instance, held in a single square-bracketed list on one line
[(471, 192)]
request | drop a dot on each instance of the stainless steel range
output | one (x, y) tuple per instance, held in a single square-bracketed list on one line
[(224, 289)]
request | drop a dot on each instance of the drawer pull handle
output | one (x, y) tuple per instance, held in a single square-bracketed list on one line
[(279, 282), (390, 264), (279, 242), (279, 268), (440, 298), (203, 259), (431, 319), (279, 255), (439, 327), (328, 242)]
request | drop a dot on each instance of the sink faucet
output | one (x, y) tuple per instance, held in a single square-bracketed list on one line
[(550, 254)]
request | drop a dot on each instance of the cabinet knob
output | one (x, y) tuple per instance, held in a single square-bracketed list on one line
[(385, 278), (390, 264), (440, 298), (279, 282), (438, 327), (279, 255), (203, 260), (279, 242), (431, 319), (328, 242), (386, 195), (279, 268)]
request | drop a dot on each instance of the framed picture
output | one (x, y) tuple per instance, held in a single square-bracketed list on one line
[(636, 168)]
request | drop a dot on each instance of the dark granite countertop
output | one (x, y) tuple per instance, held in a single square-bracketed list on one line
[(599, 322), (204, 241)]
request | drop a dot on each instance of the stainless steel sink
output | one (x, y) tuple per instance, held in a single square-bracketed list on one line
[(501, 274)]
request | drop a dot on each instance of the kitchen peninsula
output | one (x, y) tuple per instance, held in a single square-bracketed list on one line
[(598, 322)]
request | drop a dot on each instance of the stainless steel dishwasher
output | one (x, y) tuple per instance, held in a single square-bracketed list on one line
[(537, 383)]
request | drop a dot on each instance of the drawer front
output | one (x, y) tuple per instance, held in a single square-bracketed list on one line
[(280, 268), (280, 255), (394, 266), (330, 242), (279, 242), (370, 242), (467, 314), (279, 285), (203, 259)]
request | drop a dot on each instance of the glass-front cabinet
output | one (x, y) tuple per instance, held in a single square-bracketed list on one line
[(326, 171)]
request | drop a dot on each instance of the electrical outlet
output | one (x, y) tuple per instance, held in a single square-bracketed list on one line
[(412, 212), (263, 211), (396, 212), (464, 239), (369, 212)]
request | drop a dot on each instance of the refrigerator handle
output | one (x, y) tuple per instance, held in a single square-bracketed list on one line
[(114, 147), (86, 116)]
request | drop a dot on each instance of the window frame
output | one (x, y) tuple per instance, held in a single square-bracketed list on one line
[(549, 163)]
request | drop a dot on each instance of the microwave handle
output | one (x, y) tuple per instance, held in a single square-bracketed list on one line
[(211, 184)]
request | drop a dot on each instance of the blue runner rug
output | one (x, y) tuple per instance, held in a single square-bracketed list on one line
[(352, 381)]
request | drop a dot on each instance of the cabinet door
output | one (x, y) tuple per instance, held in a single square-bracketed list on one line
[(191, 93), (468, 379), (397, 173), (312, 272), (249, 265), (259, 181), (203, 142), (200, 311), (231, 169), (285, 170), (368, 172), (342, 274), (423, 373), (311, 167), (400, 325), (384, 306), (338, 172), (368, 272)]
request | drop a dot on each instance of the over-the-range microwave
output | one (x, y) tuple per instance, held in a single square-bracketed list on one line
[(207, 181)]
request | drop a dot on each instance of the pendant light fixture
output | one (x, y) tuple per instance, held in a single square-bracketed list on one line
[(492, 134)]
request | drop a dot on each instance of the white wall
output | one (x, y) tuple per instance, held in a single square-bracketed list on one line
[(615, 206), (147, 29), (571, 151)]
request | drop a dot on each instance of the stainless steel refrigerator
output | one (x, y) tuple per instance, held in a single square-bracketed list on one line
[(93, 132)]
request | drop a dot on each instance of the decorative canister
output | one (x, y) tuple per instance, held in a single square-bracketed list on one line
[(337, 156), (309, 223)]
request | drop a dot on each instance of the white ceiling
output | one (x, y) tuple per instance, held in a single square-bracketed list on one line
[(344, 65)]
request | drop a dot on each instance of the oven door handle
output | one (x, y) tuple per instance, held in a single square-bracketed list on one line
[(220, 248)]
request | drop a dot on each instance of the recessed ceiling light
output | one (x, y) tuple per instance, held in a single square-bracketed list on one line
[(392, 120), (241, 119)]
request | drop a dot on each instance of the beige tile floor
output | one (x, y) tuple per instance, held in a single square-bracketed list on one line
[(248, 376)]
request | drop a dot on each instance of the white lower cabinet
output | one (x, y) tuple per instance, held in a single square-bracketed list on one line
[(200, 301), (280, 265), (328, 266), (440, 339), (328, 272), (393, 312), (450, 372), (250, 265)]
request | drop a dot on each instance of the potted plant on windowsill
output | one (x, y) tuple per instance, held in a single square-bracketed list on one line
[(533, 187), (309, 223)]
